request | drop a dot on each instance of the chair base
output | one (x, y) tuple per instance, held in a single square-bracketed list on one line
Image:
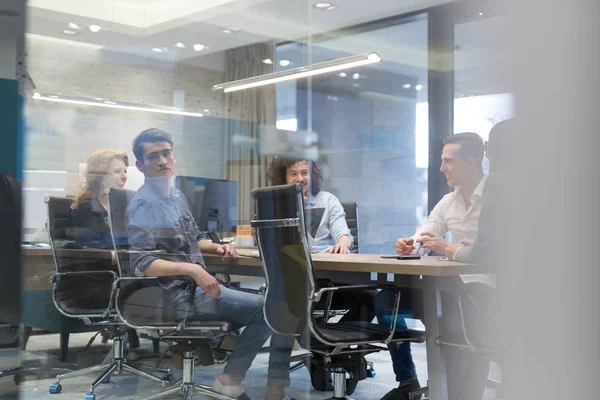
[(117, 366), (187, 388)]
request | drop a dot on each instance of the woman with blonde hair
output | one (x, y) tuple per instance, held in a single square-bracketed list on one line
[(105, 169)]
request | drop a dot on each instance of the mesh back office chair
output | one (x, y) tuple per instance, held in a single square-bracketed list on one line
[(82, 289), (351, 210), (291, 291), (140, 300)]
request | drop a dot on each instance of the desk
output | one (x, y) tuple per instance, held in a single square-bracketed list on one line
[(428, 274)]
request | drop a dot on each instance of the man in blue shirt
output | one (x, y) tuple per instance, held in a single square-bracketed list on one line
[(159, 218)]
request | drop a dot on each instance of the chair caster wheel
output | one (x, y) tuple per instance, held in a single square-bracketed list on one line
[(90, 396), (55, 388), (371, 373)]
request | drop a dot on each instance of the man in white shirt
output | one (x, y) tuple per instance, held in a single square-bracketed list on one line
[(457, 213)]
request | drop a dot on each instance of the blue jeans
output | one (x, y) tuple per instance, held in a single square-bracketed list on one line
[(402, 360), (246, 309)]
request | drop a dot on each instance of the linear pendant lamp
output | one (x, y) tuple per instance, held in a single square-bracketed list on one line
[(300, 72), (112, 104)]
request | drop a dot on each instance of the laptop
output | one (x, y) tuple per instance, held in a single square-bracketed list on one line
[(313, 218)]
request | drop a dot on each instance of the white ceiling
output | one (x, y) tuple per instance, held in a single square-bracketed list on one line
[(134, 27), (137, 26)]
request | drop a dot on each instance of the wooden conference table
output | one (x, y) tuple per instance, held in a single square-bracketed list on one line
[(430, 274)]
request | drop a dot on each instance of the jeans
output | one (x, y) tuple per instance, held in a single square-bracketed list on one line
[(402, 360), (246, 309)]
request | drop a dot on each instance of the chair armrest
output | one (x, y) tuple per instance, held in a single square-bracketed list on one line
[(316, 297), (124, 279)]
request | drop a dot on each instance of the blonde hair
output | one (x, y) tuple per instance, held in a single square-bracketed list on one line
[(98, 164)]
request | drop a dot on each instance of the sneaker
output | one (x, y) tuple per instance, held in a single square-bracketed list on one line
[(403, 391)]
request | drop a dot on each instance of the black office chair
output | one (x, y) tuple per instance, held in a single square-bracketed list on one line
[(11, 283), (83, 290), (291, 291), (473, 303), (351, 210), (139, 303)]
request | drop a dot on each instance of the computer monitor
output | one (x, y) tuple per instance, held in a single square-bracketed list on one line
[(36, 186), (213, 202)]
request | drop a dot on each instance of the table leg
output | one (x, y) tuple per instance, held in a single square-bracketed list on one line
[(64, 346), (436, 365)]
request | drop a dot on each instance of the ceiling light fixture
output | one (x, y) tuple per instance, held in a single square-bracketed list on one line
[(69, 32), (234, 29), (180, 45), (95, 28), (284, 63), (406, 86), (331, 8), (227, 31), (323, 5), (160, 49), (267, 61), (419, 87), (342, 75), (112, 104), (300, 72), (199, 47), (481, 14), (73, 25), (356, 76)]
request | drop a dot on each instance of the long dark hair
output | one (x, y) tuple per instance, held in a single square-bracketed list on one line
[(277, 173)]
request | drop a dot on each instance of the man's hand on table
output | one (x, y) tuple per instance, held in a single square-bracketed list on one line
[(405, 246), (434, 242), (228, 252), (452, 249), (342, 246)]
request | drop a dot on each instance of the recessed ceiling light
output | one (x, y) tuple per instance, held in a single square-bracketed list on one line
[(481, 14), (227, 31), (267, 61), (406, 86), (109, 102), (206, 110), (234, 29), (342, 75), (284, 63), (418, 87), (98, 98), (69, 32), (323, 5), (356, 84), (160, 49), (73, 25), (95, 28), (53, 96), (199, 47), (180, 45), (356, 76)]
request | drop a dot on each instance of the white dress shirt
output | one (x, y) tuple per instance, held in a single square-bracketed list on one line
[(450, 214)]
